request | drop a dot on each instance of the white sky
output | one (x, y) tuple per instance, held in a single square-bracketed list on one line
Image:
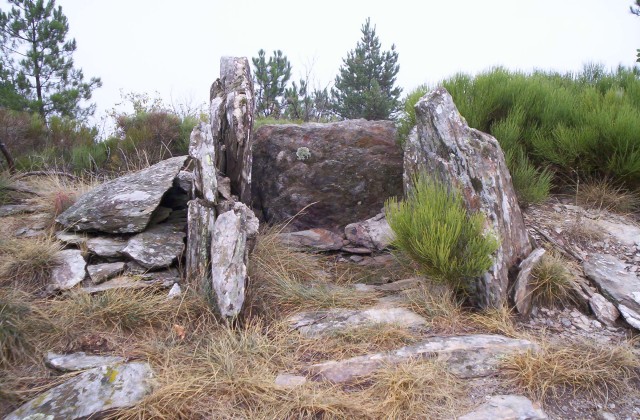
[(174, 47)]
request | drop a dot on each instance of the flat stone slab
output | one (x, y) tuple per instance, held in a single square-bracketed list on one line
[(626, 234), (617, 283), (313, 239), (158, 247), (79, 361), (103, 272), (91, 393), (125, 204), (69, 272), (467, 356), (127, 282), (11, 209), (321, 322), (507, 407)]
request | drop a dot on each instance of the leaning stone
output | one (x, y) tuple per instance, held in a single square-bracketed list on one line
[(229, 258), (157, 247), (125, 204), (618, 283), (202, 150), (444, 146), (605, 311), (524, 287), (506, 407), (467, 356), (224, 187), (79, 361), (91, 393), (102, 272), (289, 381), (322, 322), (374, 233), (312, 239), (184, 181), (69, 272)]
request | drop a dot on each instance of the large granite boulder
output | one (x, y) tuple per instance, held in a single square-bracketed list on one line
[(343, 171), (444, 146), (125, 204)]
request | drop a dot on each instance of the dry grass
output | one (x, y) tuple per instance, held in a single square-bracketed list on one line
[(552, 280), (439, 305), (365, 339), (27, 263), (581, 367), (495, 321), (583, 233), (604, 194)]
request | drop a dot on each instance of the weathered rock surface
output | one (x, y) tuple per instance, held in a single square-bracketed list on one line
[(202, 150), (617, 283), (348, 169), (229, 257), (184, 181), (605, 311), (232, 106), (157, 247), (102, 272), (201, 218), (444, 146), (627, 234), (163, 279), (506, 407), (289, 381), (79, 361), (91, 393), (320, 322), (125, 204), (313, 239), (69, 272), (11, 209), (374, 233), (523, 287), (467, 356)]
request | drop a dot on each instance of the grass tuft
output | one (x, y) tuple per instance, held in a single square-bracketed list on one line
[(604, 194), (582, 367), (27, 263), (552, 281)]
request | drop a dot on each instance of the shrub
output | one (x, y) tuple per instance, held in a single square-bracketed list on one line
[(433, 227)]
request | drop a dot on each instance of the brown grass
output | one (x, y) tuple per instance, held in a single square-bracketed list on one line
[(27, 263), (580, 367), (583, 233), (439, 305), (553, 281), (365, 339), (604, 194)]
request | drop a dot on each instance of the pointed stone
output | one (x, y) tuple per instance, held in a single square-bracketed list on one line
[(523, 287), (201, 219)]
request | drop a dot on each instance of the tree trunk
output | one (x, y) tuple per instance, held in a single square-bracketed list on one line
[(7, 156)]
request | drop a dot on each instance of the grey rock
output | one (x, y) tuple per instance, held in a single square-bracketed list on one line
[(356, 250), (322, 322), (289, 381), (467, 356), (91, 393), (523, 287), (12, 209), (79, 361), (229, 257), (69, 272), (71, 238), (174, 292), (605, 311), (352, 168), (626, 234), (202, 151), (201, 218), (106, 246), (125, 204), (313, 239), (102, 272), (184, 181), (443, 145), (224, 187), (127, 282), (617, 283), (374, 233), (158, 247), (507, 407)]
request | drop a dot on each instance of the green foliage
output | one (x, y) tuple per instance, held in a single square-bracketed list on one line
[(37, 60), (270, 77), (364, 88), (272, 121), (433, 227), (407, 119)]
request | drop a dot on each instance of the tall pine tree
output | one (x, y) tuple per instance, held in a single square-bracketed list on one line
[(271, 79), (37, 60), (364, 88)]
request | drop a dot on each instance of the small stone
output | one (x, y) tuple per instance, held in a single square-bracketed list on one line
[(289, 381), (157, 247), (356, 258), (79, 361), (102, 272), (175, 291), (69, 272), (312, 239), (605, 311)]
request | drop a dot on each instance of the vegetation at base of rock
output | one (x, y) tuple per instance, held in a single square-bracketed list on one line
[(259, 122), (4, 189), (552, 282), (27, 263), (597, 370), (365, 86), (434, 228), (604, 194)]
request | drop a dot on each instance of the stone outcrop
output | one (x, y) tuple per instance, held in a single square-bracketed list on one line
[(343, 171), (444, 146), (374, 233), (125, 204), (91, 393)]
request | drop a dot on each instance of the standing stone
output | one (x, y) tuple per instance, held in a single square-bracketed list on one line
[(471, 161), (523, 287), (232, 106), (229, 257), (125, 204), (201, 219), (341, 172), (202, 151)]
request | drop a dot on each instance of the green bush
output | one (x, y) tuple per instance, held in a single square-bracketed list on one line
[(433, 227), (407, 119)]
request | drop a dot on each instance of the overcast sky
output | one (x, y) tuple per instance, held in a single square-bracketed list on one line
[(174, 47)]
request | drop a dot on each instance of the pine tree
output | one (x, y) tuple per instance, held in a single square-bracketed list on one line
[(38, 63), (270, 78), (364, 88)]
